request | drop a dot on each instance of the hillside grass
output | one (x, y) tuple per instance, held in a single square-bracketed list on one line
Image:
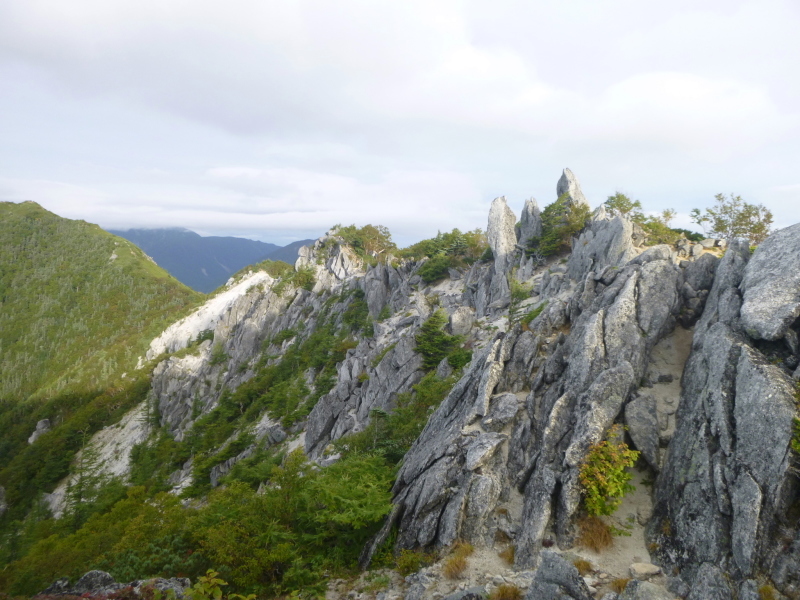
[(72, 318)]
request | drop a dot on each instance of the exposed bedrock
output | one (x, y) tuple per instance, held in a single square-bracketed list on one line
[(724, 495), (771, 286), (579, 393), (530, 223), (568, 184)]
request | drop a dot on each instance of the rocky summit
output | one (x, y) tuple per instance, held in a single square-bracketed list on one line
[(691, 347)]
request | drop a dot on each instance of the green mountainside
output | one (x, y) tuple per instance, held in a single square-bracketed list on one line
[(77, 304), (78, 307)]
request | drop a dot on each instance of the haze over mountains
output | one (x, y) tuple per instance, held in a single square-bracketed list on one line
[(205, 263)]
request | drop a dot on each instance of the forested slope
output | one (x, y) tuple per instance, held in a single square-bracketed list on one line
[(78, 307), (77, 304)]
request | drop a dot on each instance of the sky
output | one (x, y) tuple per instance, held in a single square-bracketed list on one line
[(276, 119)]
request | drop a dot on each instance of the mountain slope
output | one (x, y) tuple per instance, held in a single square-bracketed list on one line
[(290, 252), (202, 263), (77, 304), (497, 394)]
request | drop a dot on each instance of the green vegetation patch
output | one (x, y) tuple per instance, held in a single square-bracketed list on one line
[(435, 345), (603, 475), (446, 251), (561, 221), (79, 305)]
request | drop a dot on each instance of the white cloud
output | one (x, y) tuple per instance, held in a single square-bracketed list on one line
[(295, 115)]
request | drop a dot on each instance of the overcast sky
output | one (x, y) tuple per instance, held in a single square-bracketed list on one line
[(275, 119)]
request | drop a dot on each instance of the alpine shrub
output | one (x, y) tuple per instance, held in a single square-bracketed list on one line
[(433, 343), (603, 474)]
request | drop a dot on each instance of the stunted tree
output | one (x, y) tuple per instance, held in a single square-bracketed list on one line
[(621, 204), (732, 217)]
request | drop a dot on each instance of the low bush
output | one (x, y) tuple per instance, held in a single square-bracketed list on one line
[(561, 221), (436, 268), (462, 548), (796, 436), (767, 592), (467, 247), (433, 343), (603, 475), (410, 561)]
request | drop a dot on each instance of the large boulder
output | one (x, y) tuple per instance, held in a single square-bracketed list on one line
[(556, 579), (771, 286)]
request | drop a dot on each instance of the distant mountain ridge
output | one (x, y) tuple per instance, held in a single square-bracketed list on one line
[(204, 263)]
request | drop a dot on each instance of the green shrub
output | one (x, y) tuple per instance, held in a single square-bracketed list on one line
[(796, 436), (305, 278), (561, 221), (432, 342), (734, 218), (534, 313), (206, 334), (390, 435), (519, 291), (385, 313), (464, 248), (411, 561), (356, 317), (435, 268), (370, 242), (283, 335), (603, 475), (382, 354), (459, 358), (218, 355)]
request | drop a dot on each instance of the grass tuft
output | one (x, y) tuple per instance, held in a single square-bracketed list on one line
[(462, 548), (508, 555), (505, 591), (767, 592), (584, 566), (618, 585), (595, 534), (454, 567)]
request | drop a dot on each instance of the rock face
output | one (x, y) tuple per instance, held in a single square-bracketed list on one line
[(501, 233), (530, 223), (568, 184), (42, 427), (724, 491), (771, 286), (500, 457), (101, 584), (556, 579)]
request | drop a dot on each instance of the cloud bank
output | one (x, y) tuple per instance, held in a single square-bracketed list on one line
[(276, 120)]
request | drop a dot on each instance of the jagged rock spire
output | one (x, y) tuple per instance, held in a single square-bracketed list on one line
[(568, 184), (501, 232), (530, 223)]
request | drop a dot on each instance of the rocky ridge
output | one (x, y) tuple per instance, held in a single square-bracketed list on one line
[(499, 458)]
